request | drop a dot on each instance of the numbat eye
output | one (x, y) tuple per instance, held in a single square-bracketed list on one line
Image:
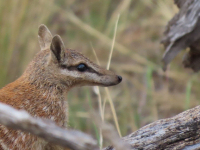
[(81, 67)]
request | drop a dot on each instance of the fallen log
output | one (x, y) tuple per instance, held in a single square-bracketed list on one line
[(179, 132)]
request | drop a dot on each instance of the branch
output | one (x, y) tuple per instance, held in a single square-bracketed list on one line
[(21, 120), (181, 32), (179, 132)]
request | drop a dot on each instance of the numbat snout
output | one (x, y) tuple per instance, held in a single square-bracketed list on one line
[(42, 88)]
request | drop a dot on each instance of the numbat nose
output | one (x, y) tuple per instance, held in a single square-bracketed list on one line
[(119, 78)]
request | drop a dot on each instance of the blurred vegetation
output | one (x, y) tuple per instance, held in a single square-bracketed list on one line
[(146, 93)]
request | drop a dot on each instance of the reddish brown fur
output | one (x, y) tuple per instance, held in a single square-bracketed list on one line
[(22, 94)]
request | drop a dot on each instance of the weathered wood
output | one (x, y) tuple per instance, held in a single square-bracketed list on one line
[(179, 132), (183, 31), (21, 120)]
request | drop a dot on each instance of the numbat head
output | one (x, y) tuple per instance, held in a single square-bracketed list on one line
[(65, 68), (42, 89)]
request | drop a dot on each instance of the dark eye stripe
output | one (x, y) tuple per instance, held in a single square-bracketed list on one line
[(63, 66), (74, 68)]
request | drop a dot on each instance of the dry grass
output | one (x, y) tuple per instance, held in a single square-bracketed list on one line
[(146, 93)]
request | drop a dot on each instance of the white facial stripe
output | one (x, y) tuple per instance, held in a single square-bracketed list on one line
[(68, 73), (76, 74)]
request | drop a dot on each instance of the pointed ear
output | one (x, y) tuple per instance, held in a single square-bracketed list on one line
[(57, 49), (44, 36)]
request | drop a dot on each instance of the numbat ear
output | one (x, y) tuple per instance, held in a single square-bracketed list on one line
[(44, 36), (57, 49)]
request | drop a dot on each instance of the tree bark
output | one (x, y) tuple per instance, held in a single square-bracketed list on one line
[(183, 31), (179, 132)]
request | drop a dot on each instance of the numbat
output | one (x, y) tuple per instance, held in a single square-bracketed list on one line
[(42, 88)]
